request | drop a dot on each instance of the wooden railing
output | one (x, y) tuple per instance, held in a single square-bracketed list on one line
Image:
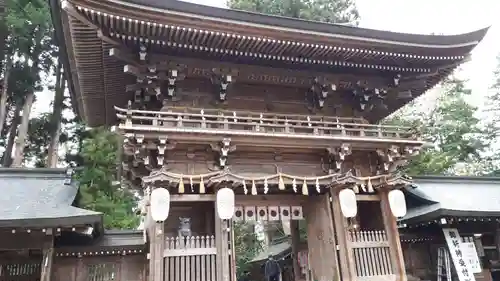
[(190, 258), (248, 123), (371, 253)]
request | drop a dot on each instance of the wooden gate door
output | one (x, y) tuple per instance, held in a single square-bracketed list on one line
[(190, 258)]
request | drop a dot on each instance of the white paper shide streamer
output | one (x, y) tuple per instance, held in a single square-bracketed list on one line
[(225, 203), (348, 204), (160, 204)]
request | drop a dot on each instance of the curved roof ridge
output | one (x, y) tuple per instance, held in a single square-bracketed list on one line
[(341, 31)]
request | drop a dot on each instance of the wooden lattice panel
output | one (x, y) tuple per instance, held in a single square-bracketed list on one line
[(20, 271), (101, 272)]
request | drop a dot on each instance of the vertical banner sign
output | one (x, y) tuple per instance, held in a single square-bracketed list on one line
[(470, 255), (462, 268)]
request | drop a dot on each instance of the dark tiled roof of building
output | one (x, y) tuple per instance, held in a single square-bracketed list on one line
[(40, 198), (277, 251), (112, 240), (445, 196)]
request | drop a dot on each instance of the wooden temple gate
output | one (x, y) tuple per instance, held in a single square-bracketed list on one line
[(262, 107)]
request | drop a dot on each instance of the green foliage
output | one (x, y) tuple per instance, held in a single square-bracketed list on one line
[(492, 115), (331, 11), (29, 45), (246, 246), (30, 30), (96, 177), (456, 135), (37, 144)]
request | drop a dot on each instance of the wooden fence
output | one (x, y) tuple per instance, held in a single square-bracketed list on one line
[(191, 258), (371, 253)]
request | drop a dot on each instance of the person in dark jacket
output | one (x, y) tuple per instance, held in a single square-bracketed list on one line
[(272, 269)]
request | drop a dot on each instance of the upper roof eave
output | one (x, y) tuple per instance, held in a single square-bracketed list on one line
[(55, 13), (279, 23)]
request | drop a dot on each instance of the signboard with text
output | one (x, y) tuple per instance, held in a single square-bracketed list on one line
[(470, 255), (463, 269)]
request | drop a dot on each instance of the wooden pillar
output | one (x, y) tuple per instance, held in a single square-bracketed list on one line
[(497, 238), (391, 229), (157, 248), (122, 268), (345, 254), (321, 239), (232, 252), (47, 258), (295, 233), (221, 243), (152, 252), (81, 271)]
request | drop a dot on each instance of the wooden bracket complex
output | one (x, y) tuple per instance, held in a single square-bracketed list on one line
[(395, 157), (222, 78), (336, 157), (151, 76), (320, 90), (223, 148)]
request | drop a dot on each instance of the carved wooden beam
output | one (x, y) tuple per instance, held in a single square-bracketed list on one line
[(125, 56), (107, 39)]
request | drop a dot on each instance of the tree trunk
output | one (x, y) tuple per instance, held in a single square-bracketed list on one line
[(4, 94), (55, 120), (23, 131), (7, 155)]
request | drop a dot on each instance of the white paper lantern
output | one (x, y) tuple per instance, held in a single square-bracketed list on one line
[(225, 203), (160, 204), (397, 203), (348, 204)]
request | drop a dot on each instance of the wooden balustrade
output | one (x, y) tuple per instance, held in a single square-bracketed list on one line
[(371, 253), (190, 258), (247, 123)]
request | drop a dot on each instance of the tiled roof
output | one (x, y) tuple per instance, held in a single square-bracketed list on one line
[(455, 197), (116, 240), (273, 250), (40, 198)]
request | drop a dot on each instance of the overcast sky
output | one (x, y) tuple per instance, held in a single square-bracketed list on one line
[(425, 17)]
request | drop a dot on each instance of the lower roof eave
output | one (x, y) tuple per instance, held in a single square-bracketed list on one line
[(447, 213), (91, 219), (110, 250)]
